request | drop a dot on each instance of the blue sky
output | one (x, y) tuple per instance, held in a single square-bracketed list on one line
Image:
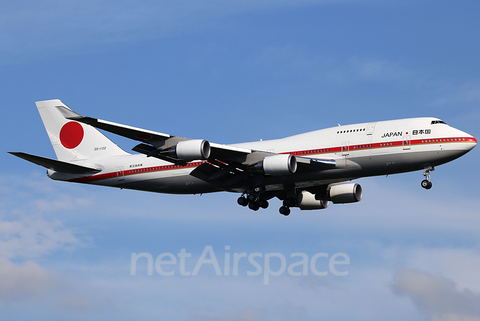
[(228, 72)]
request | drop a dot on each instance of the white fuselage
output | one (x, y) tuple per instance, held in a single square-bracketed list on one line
[(360, 150)]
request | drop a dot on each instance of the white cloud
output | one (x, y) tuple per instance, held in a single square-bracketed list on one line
[(460, 264), (95, 289), (31, 237), (243, 315), (22, 281), (26, 231), (76, 304), (36, 194), (437, 296), (61, 202), (31, 286)]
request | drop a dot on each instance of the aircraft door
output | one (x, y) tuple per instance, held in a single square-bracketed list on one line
[(406, 142), (371, 128), (345, 148), (120, 173)]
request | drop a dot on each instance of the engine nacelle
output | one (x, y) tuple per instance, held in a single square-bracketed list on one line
[(344, 193), (189, 150), (307, 201), (282, 164)]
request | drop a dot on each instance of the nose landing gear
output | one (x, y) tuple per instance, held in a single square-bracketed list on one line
[(427, 183)]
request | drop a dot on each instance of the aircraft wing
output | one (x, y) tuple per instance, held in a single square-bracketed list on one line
[(159, 144), (147, 136), (230, 174), (226, 166)]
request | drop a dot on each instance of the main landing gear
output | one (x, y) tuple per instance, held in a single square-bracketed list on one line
[(254, 202), (287, 203), (284, 210), (256, 197), (427, 183), (252, 199)]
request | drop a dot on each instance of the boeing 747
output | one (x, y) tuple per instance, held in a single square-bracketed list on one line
[(307, 171)]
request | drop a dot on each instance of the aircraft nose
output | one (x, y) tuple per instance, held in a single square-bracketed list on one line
[(473, 142), (469, 140)]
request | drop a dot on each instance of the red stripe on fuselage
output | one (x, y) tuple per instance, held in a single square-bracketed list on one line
[(317, 151)]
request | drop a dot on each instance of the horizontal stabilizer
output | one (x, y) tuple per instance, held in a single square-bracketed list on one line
[(56, 165)]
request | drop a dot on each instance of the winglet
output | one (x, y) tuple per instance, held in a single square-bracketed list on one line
[(68, 113)]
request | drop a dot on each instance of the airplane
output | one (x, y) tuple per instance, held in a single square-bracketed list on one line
[(307, 171)]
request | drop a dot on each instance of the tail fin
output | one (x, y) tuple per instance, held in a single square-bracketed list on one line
[(71, 140)]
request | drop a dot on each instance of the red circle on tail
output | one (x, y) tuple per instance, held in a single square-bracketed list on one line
[(71, 135)]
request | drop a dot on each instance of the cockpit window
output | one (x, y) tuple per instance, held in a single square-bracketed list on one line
[(438, 122)]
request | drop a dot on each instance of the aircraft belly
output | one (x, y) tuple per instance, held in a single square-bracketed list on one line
[(173, 183), (404, 161), (365, 166), (177, 185)]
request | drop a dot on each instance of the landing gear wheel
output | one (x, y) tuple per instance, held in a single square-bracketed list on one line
[(242, 201), (252, 198), (253, 206), (263, 203), (426, 184), (288, 202), (284, 210)]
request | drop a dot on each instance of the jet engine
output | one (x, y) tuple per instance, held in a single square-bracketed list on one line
[(189, 150), (307, 201), (282, 164), (344, 193)]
